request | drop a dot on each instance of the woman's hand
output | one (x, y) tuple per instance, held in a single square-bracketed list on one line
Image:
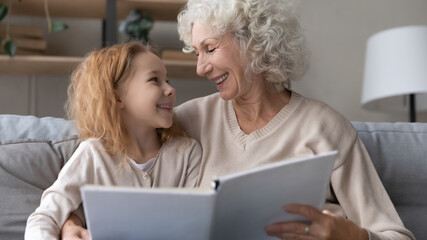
[(73, 230), (324, 225)]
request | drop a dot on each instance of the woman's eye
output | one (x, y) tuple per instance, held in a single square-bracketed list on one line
[(211, 50)]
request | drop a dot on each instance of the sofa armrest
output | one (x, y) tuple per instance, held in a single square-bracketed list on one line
[(398, 152), (32, 152)]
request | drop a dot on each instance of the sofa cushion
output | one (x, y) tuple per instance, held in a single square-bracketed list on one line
[(32, 152), (398, 151), (30, 127)]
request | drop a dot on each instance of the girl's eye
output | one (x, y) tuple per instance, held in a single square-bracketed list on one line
[(153, 79)]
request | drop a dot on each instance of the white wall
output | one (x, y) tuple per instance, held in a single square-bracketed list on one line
[(46, 95), (337, 31)]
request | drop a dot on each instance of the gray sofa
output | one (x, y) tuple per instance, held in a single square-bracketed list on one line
[(33, 150)]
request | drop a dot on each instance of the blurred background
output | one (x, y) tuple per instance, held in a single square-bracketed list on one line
[(337, 32)]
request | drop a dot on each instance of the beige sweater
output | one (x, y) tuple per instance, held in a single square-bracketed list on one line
[(303, 127), (176, 165)]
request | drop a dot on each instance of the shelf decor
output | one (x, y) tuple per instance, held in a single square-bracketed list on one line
[(177, 65), (137, 26), (28, 41)]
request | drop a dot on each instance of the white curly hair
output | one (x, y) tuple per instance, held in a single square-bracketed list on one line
[(267, 32)]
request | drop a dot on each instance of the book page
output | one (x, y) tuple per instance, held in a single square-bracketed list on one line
[(249, 201)]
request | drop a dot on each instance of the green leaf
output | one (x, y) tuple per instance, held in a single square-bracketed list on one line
[(145, 25), (10, 48), (132, 27), (3, 11), (144, 15), (59, 26)]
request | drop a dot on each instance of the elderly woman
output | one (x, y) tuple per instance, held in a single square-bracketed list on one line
[(251, 49)]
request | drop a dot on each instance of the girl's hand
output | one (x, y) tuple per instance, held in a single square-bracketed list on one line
[(75, 233), (324, 225), (73, 230)]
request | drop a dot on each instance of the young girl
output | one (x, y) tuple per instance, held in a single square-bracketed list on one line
[(122, 104)]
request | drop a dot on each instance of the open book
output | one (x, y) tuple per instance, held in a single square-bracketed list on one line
[(239, 206)]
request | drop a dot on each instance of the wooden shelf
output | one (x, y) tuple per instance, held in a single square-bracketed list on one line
[(44, 65), (181, 69), (166, 10), (61, 65)]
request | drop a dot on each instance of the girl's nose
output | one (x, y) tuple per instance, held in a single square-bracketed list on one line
[(169, 90)]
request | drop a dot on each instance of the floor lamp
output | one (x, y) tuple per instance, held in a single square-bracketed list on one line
[(396, 71)]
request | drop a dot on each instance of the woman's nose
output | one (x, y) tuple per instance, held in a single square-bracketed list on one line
[(203, 65)]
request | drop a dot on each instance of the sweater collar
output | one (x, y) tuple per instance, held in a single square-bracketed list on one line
[(277, 121)]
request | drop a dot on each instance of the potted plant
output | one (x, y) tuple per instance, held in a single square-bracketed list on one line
[(137, 26)]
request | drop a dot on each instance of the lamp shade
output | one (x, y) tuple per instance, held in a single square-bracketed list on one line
[(395, 66)]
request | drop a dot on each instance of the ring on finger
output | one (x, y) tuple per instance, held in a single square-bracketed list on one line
[(307, 229)]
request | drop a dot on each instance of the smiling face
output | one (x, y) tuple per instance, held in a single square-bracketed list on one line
[(220, 61), (146, 99)]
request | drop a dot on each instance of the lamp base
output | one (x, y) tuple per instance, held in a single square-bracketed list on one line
[(412, 107)]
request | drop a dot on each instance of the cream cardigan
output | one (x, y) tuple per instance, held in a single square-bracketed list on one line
[(303, 127)]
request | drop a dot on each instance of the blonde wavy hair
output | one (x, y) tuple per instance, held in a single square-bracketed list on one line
[(267, 32), (92, 99)]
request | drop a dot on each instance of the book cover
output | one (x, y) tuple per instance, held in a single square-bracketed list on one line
[(238, 206)]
